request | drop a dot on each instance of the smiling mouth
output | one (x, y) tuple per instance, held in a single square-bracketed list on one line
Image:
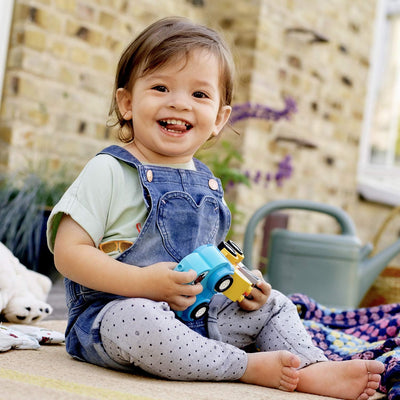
[(175, 125)]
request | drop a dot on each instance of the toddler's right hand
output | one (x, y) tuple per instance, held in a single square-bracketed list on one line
[(171, 286)]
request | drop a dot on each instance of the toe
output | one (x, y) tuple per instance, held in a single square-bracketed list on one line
[(370, 392), (373, 385), (375, 367), (292, 380), (287, 387), (290, 360), (374, 378)]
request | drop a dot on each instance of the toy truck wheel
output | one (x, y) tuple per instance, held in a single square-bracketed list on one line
[(199, 311), (223, 284)]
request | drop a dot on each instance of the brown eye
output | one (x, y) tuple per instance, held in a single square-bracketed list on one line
[(200, 95), (160, 88)]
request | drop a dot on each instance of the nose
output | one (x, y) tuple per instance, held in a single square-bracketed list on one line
[(179, 101)]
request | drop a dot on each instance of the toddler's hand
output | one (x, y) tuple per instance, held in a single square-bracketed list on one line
[(171, 286), (257, 298)]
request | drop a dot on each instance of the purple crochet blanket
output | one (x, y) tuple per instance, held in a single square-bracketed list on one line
[(366, 333)]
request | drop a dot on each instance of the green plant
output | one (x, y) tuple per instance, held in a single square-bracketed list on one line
[(25, 201), (224, 163)]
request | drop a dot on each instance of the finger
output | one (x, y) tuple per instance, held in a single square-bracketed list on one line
[(180, 303), (264, 287), (172, 265), (257, 273), (189, 290), (185, 276), (248, 305), (257, 296)]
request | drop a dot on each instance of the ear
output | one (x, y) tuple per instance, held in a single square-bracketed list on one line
[(222, 118), (124, 101)]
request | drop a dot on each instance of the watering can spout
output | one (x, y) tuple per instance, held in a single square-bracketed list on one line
[(371, 267)]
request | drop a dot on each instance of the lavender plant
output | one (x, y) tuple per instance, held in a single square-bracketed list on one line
[(261, 111)]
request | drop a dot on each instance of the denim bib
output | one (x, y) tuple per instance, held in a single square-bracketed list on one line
[(185, 210)]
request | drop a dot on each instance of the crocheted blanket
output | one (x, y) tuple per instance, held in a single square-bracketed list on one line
[(364, 333)]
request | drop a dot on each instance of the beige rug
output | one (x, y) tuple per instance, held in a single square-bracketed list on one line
[(49, 373)]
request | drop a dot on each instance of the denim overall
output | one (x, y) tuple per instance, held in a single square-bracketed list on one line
[(185, 210)]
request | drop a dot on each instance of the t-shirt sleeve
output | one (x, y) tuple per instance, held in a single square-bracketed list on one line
[(87, 200)]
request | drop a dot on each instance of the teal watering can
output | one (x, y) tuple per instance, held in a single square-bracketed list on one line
[(335, 270)]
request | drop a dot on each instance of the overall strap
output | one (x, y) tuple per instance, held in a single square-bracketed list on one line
[(200, 166), (124, 155), (121, 154)]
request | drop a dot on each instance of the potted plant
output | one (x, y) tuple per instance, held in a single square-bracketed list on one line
[(26, 200)]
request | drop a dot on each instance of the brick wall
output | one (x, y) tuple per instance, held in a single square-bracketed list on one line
[(327, 80), (60, 73)]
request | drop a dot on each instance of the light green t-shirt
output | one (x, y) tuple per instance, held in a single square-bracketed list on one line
[(106, 200)]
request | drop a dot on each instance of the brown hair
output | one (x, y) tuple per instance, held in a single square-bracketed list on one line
[(163, 40)]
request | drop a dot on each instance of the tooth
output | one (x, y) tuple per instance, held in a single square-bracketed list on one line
[(175, 122)]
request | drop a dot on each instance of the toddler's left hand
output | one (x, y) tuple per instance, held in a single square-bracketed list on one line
[(257, 298)]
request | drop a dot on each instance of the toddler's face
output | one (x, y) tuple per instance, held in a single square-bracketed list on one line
[(175, 108)]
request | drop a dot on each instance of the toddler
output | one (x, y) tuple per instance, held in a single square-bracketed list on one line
[(136, 210)]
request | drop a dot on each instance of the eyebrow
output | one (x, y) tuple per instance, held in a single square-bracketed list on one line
[(202, 84), (160, 76)]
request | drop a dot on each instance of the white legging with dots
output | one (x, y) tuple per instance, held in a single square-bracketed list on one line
[(146, 334)]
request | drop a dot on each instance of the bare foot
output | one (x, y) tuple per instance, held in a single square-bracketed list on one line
[(275, 369), (353, 379)]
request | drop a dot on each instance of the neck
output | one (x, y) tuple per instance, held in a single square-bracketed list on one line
[(141, 155), (134, 150)]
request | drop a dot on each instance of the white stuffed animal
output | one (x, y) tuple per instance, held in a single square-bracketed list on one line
[(23, 292)]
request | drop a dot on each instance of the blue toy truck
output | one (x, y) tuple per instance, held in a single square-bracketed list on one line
[(214, 272), (218, 270)]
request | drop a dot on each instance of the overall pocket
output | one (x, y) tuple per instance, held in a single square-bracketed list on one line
[(185, 225)]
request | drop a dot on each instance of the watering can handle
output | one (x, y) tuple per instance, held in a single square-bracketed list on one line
[(342, 218)]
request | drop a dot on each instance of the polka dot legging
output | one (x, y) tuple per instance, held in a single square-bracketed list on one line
[(146, 334)]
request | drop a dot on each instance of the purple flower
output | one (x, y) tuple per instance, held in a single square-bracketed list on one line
[(257, 177), (284, 171), (260, 111)]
